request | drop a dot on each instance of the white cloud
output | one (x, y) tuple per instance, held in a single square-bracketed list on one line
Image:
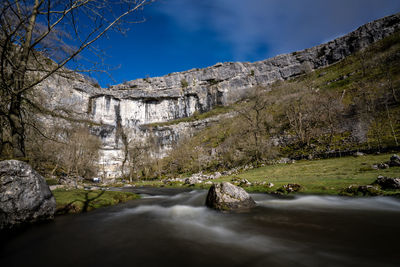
[(279, 25)]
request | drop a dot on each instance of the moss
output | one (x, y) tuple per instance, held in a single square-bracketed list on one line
[(52, 182), (184, 84), (77, 200), (213, 82)]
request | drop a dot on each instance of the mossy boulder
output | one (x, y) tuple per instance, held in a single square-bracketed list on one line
[(362, 190)]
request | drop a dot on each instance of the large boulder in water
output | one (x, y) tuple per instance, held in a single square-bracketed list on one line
[(24, 195), (226, 196)]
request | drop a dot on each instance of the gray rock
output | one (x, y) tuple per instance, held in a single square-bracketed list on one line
[(270, 185), (24, 195), (193, 181), (365, 190), (394, 161), (358, 154), (244, 182), (380, 166), (226, 196), (289, 188), (216, 175), (387, 182), (286, 161), (58, 186)]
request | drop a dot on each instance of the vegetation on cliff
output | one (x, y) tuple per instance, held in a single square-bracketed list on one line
[(349, 106)]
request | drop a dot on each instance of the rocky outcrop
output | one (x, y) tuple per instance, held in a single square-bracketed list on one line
[(289, 188), (225, 196), (364, 190), (380, 166), (24, 195), (394, 161), (387, 182)]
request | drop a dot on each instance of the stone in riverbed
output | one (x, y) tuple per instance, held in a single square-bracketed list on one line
[(226, 196), (24, 195)]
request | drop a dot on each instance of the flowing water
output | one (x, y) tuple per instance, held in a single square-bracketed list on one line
[(173, 228)]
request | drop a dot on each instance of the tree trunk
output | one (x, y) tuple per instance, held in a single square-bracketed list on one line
[(391, 124), (13, 132)]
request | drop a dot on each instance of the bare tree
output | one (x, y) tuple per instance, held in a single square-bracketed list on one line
[(37, 39), (257, 122), (363, 57)]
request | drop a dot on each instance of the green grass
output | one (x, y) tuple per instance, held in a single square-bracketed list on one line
[(327, 176), (78, 200)]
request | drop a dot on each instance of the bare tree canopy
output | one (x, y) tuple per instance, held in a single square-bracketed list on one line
[(37, 39)]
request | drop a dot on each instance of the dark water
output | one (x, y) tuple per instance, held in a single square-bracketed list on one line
[(172, 228)]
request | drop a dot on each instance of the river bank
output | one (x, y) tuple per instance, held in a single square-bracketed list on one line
[(79, 200), (334, 176), (171, 227)]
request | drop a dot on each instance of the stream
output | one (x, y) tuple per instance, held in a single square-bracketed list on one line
[(171, 227)]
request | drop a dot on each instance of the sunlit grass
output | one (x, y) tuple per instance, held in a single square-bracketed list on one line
[(328, 176), (78, 200)]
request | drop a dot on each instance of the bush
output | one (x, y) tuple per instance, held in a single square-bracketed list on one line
[(184, 83)]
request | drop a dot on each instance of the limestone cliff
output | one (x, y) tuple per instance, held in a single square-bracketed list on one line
[(124, 109)]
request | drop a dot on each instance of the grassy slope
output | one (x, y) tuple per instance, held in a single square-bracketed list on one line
[(78, 200), (362, 103), (330, 176), (327, 176)]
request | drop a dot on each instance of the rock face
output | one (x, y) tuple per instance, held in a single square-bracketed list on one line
[(123, 112), (225, 196), (24, 195)]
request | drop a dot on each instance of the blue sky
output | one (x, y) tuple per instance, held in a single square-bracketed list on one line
[(183, 34)]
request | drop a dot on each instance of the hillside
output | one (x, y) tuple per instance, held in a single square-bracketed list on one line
[(350, 106), (336, 97), (125, 110)]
